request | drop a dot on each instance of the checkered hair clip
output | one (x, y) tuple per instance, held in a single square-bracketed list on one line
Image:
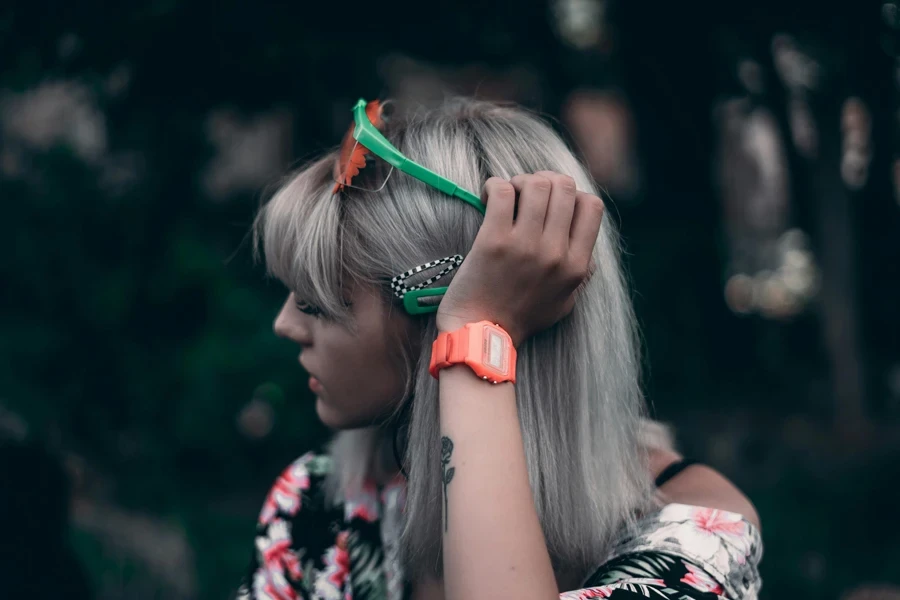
[(410, 295)]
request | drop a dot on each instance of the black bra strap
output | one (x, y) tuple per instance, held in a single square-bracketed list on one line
[(673, 469)]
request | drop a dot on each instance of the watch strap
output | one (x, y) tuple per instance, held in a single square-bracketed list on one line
[(449, 349)]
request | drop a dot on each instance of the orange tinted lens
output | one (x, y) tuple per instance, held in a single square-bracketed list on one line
[(356, 166)]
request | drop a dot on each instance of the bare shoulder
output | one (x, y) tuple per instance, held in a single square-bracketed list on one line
[(701, 485)]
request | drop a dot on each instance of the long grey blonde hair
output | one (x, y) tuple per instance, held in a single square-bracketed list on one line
[(580, 405)]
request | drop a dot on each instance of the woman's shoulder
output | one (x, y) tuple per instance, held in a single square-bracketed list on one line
[(301, 483), (700, 485), (724, 544), (688, 551)]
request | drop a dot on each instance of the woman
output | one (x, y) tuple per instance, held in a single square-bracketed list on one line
[(440, 484)]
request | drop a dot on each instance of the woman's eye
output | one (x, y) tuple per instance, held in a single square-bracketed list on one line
[(308, 308)]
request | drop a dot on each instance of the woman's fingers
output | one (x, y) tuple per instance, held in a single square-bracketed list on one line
[(534, 195), (499, 197), (585, 228), (558, 221), (547, 210)]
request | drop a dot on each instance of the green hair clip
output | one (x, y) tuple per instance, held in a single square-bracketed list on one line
[(411, 295)]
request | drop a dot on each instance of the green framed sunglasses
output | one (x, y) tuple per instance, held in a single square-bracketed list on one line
[(367, 135)]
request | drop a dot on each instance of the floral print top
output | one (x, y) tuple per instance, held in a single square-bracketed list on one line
[(305, 550)]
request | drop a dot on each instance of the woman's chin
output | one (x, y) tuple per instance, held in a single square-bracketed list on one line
[(327, 415), (332, 418), (342, 420)]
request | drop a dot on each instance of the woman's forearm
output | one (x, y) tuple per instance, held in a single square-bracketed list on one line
[(493, 543)]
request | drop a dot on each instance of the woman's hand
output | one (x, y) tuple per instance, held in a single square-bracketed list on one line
[(523, 273)]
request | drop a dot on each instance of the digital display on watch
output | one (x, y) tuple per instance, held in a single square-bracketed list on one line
[(494, 351)]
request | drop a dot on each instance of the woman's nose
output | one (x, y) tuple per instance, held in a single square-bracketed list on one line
[(291, 325)]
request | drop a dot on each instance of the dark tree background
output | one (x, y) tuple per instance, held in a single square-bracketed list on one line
[(751, 156)]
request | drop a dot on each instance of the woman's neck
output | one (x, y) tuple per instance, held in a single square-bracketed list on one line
[(385, 467)]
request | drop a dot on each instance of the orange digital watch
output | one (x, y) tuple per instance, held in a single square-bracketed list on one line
[(484, 346)]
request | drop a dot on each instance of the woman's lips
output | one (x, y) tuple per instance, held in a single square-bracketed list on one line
[(314, 384)]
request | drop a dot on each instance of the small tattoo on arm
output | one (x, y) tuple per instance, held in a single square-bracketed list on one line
[(447, 474)]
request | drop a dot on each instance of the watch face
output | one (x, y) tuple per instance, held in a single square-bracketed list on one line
[(495, 351)]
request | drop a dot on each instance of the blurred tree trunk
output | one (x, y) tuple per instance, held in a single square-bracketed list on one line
[(834, 220)]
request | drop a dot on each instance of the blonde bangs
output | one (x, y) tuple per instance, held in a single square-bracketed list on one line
[(299, 233)]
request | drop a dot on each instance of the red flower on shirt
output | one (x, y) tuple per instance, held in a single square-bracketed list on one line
[(272, 586), (286, 493), (363, 505), (701, 580), (332, 578), (338, 560), (713, 521), (276, 553)]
